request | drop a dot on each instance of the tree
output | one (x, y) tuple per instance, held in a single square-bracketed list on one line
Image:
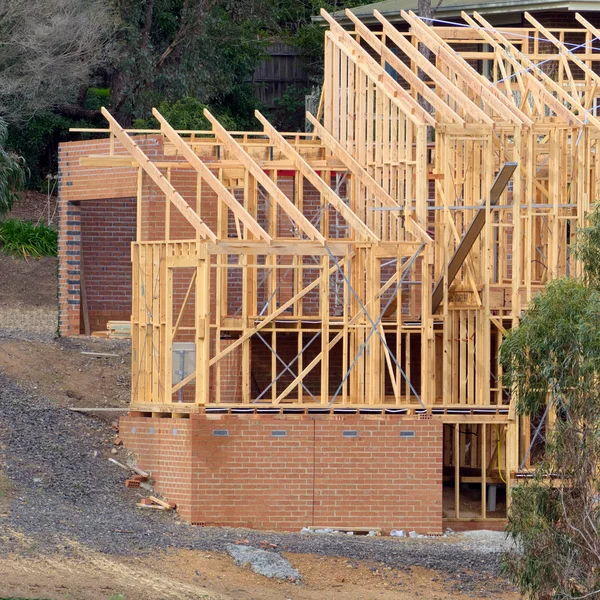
[(172, 49), (50, 48), (552, 363)]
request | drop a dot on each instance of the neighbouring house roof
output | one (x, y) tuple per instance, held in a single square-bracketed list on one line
[(503, 9)]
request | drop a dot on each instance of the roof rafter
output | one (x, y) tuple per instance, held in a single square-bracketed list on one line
[(571, 55), (270, 186), (476, 82), (366, 63), (550, 100), (308, 172), (209, 177), (436, 75), (161, 181), (404, 70)]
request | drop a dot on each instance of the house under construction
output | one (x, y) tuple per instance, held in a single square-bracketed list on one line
[(316, 317)]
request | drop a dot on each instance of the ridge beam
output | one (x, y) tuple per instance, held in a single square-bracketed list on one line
[(271, 188), (310, 174), (211, 179), (159, 179)]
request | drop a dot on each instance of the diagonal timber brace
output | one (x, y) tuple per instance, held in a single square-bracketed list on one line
[(472, 233)]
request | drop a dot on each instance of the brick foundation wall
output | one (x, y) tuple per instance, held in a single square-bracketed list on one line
[(314, 475)]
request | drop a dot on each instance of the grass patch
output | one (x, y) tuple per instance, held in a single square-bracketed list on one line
[(23, 239)]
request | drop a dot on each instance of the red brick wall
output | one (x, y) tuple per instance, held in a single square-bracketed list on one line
[(96, 209), (107, 230), (312, 476)]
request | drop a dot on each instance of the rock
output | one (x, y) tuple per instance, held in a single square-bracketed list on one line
[(262, 562)]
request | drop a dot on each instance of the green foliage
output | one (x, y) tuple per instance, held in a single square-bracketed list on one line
[(299, 30), (587, 249), (12, 173), (289, 113), (37, 142), (552, 360), (184, 49), (188, 114), (24, 238), (558, 335), (96, 98)]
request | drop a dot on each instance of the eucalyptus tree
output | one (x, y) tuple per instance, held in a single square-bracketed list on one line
[(552, 363)]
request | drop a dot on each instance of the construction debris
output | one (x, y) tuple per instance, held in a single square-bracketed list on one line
[(165, 505), (130, 468), (155, 503), (119, 330)]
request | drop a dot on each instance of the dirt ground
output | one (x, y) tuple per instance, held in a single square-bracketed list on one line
[(55, 370), (187, 575), (59, 371)]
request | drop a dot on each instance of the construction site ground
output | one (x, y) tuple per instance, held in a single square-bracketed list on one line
[(70, 529)]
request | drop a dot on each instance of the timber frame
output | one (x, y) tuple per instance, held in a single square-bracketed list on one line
[(438, 207)]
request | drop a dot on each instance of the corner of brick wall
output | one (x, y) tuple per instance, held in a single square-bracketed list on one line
[(69, 259)]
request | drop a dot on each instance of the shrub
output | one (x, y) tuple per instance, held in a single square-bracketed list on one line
[(23, 238)]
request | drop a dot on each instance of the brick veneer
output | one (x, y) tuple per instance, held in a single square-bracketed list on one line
[(314, 475)]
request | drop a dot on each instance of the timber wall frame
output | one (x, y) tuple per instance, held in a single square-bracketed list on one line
[(327, 245)]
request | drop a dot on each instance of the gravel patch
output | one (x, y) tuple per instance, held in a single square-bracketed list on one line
[(12, 333), (67, 491), (269, 564)]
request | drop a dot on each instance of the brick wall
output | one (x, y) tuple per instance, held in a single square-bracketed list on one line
[(97, 223), (314, 475)]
